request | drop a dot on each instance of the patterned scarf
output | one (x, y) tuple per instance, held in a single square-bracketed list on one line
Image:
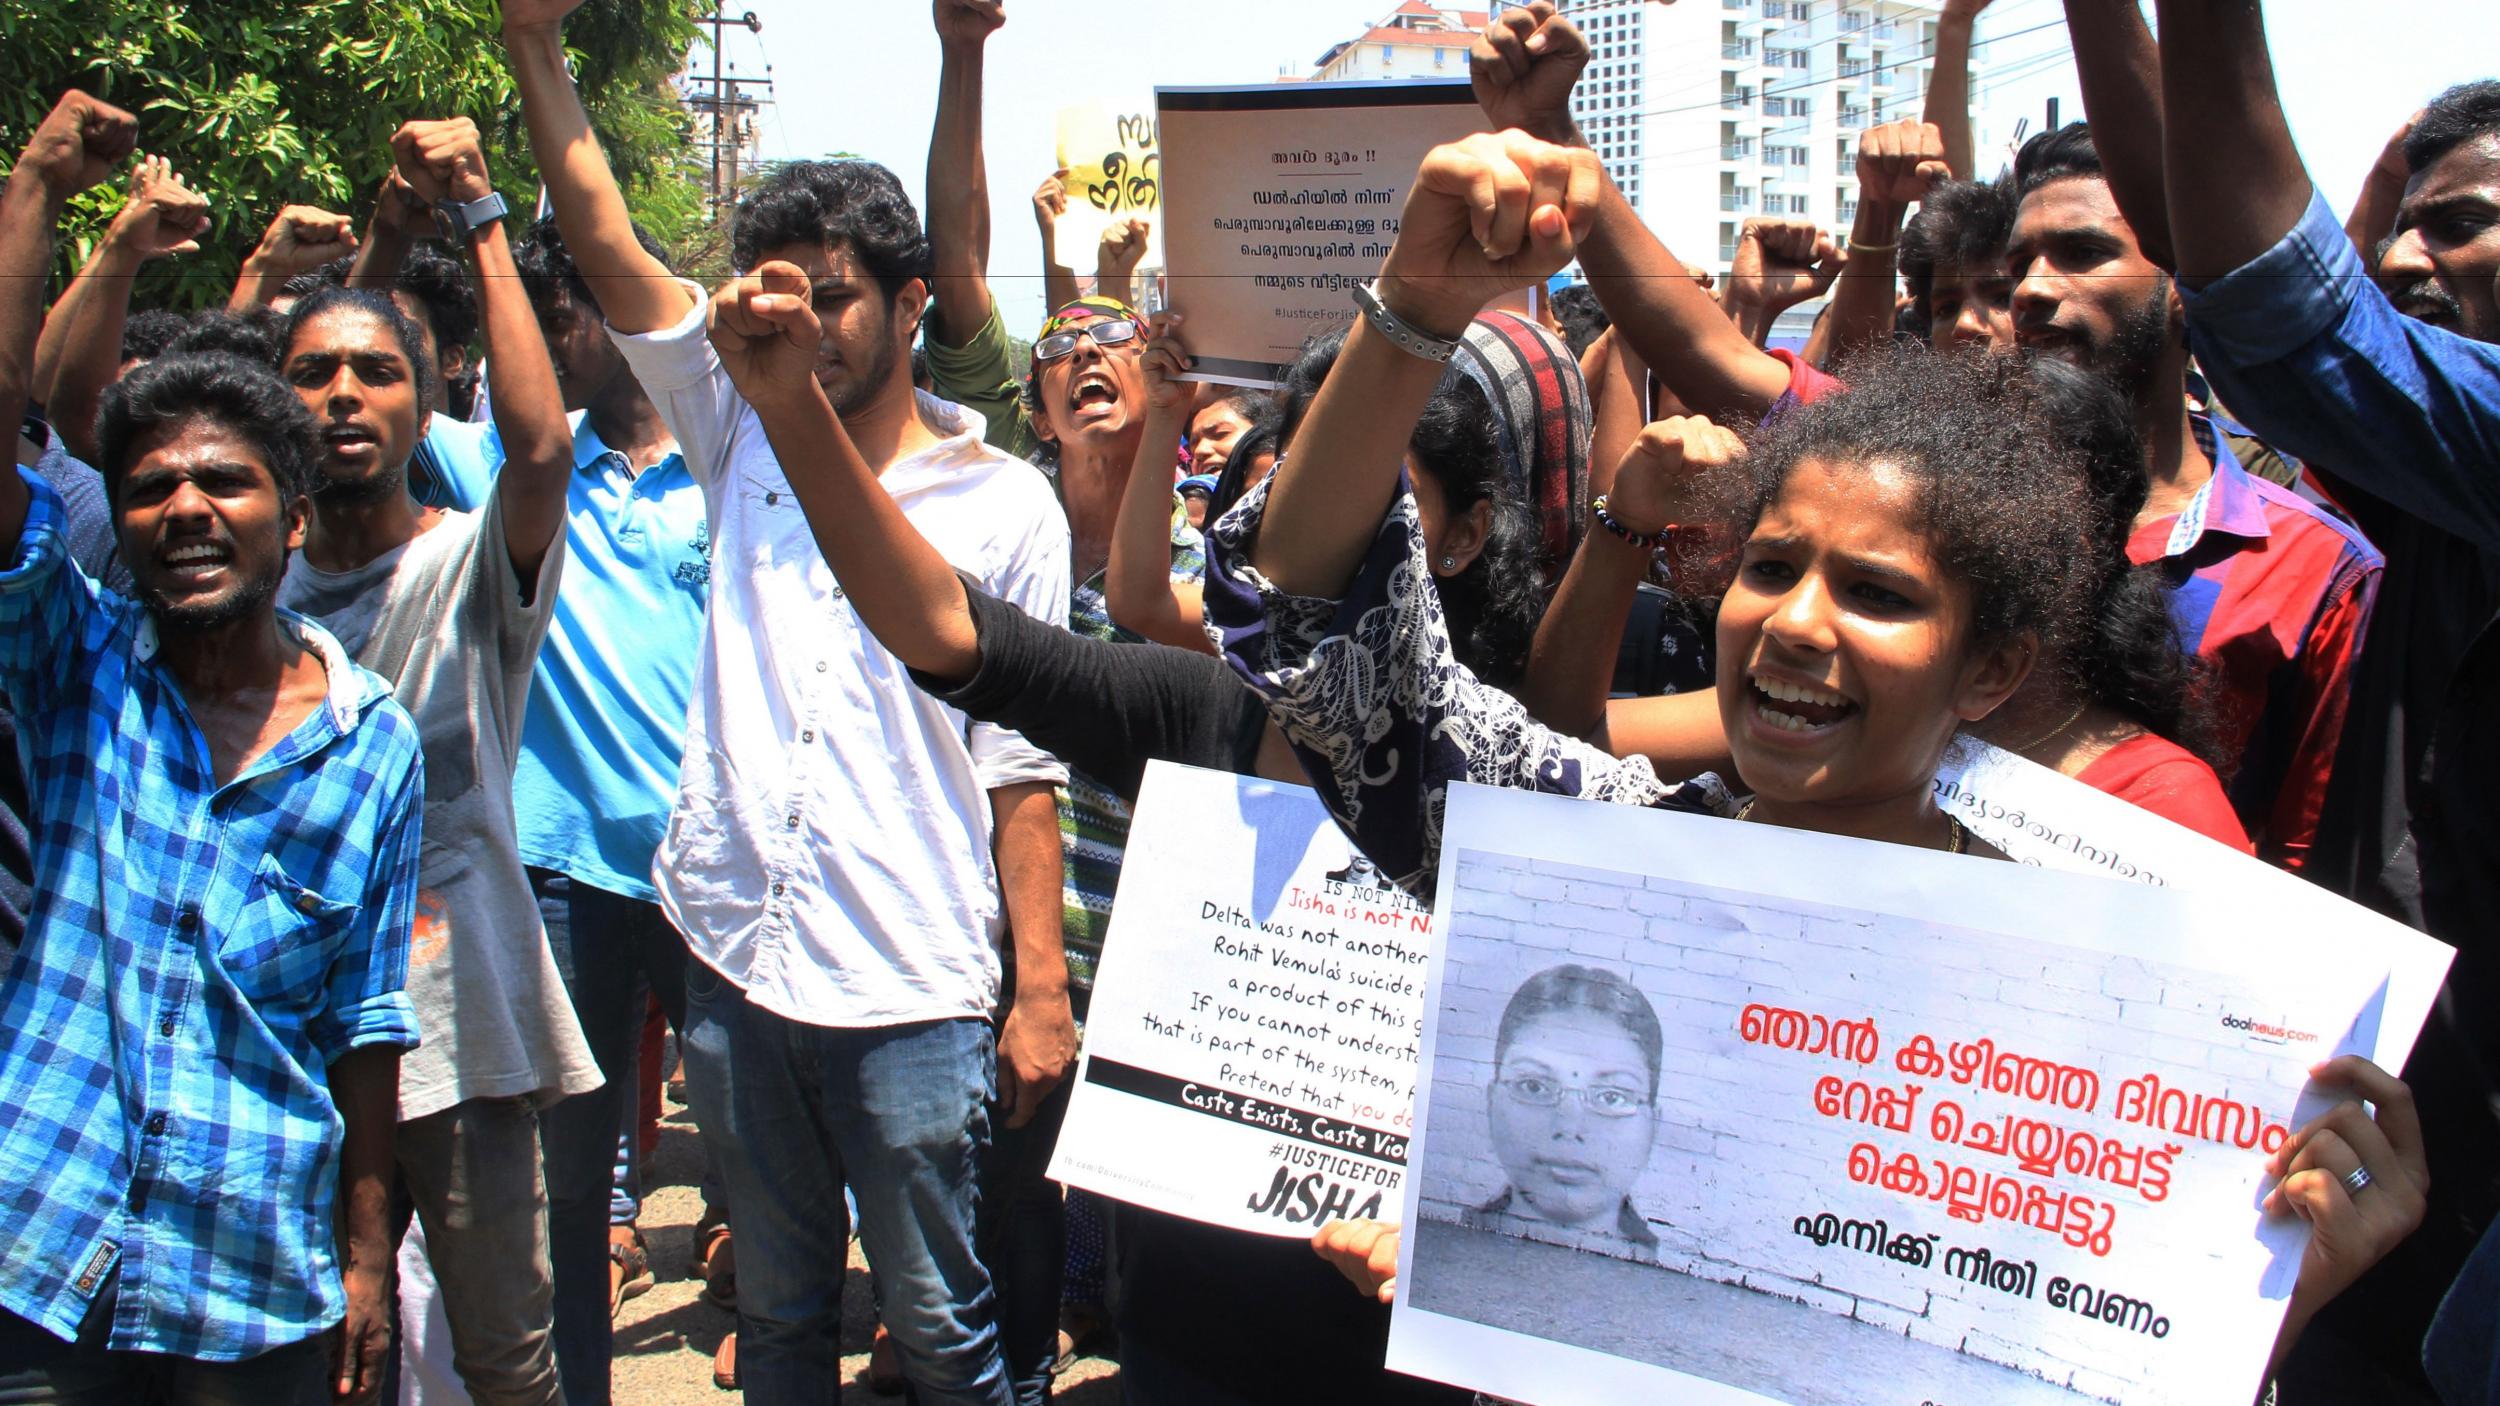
[(1542, 406)]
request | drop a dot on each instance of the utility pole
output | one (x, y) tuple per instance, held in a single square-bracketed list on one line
[(725, 103)]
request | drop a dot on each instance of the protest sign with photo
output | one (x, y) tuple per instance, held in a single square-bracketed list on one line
[(1250, 1051), (1115, 172), (1280, 199), (1742, 1114)]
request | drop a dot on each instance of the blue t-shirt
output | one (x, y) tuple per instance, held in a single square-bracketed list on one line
[(456, 463), (606, 726)]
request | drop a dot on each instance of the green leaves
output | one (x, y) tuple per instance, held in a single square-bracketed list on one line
[(263, 106)]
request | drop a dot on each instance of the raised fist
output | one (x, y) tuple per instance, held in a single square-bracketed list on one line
[(79, 144), (162, 216), (968, 21), (1123, 245), (1899, 162), (1780, 263), (302, 238), (1524, 67), (441, 160), (1487, 215), (1658, 484), (765, 328)]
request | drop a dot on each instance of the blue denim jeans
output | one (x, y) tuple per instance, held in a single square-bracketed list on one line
[(612, 950), (1024, 1241), (901, 1114), (38, 1369)]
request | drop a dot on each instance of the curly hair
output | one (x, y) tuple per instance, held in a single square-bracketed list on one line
[(2129, 656), (1582, 317), (1998, 486), (242, 396), (547, 267), (857, 205), (1959, 227), (1494, 605), (146, 335), (256, 334), (439, 284), (383, 310), (2462, 114)]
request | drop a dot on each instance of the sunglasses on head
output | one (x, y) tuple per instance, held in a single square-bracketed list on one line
[(1106, 332)]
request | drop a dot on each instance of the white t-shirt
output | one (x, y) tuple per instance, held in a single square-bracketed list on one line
[(830, 848), (442, 618)]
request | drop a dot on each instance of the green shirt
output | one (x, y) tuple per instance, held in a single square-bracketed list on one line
[(980, 374)]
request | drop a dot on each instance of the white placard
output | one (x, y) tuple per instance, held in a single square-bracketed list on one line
[(1250, 1051), (1903, 1127), (2040, 818)]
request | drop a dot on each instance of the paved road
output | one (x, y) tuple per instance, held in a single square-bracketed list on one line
[(665, 1338)]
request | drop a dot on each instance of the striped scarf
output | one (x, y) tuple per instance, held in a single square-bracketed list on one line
[(1542, 407)]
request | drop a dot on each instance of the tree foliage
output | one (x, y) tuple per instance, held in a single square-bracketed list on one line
[(265, 104)]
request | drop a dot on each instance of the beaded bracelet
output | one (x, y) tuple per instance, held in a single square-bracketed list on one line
[(1650, 540)]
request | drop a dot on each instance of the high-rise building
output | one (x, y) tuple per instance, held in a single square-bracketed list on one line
[(1415, 40), (1707, 112)]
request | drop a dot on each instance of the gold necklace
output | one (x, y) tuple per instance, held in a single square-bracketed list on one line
[(2052, 732), (1956, 838)]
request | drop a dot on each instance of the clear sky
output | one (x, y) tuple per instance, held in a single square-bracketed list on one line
[(841, 85)]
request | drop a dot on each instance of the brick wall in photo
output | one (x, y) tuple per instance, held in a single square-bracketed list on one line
[(1741, 1151)]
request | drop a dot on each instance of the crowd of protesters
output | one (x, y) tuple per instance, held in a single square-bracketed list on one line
[(476, 647)]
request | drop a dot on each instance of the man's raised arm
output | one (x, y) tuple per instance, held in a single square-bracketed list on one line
[(959, 182), (443, 161), (79, 144), (2233, 177), (1524, 66), (2122, 99), (635, 290)]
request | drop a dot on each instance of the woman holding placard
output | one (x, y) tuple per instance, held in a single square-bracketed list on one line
[(1908, 549)]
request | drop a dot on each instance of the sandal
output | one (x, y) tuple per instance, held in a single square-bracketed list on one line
[(629, 1270), (716, 1261), (725, 1363)]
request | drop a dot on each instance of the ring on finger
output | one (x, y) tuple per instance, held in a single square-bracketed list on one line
[(2357, 1180)]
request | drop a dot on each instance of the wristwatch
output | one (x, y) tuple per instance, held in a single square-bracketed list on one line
[(1405, 336), (461, 219)]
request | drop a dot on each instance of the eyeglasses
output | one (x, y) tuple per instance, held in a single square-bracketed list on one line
[(1106, 332), (1603, 1101)]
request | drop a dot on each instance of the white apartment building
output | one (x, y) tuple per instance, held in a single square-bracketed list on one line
[(1415, 40), (1707, 111), (1710, 111)]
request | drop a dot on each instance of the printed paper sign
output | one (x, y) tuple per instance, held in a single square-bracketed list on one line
[(1250, 1053), (1280, 199), (1718, 1112), (1115, 172)]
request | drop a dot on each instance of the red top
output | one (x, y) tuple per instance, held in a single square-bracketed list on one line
[(2165, 778)]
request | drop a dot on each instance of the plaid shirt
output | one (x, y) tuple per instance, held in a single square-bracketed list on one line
[(197, 956), (1093, 822), (2276, 592)]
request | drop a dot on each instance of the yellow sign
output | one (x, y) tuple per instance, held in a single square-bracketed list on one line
[(1115, 172)]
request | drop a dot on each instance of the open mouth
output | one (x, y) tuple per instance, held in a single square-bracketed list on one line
[(194, 563), (1798, 708), (350, 441), (1093, 393)]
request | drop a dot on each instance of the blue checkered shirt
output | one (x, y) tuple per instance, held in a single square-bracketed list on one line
[(197, 957)]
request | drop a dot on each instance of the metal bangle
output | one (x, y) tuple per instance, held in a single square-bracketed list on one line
[(1408, 339)]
